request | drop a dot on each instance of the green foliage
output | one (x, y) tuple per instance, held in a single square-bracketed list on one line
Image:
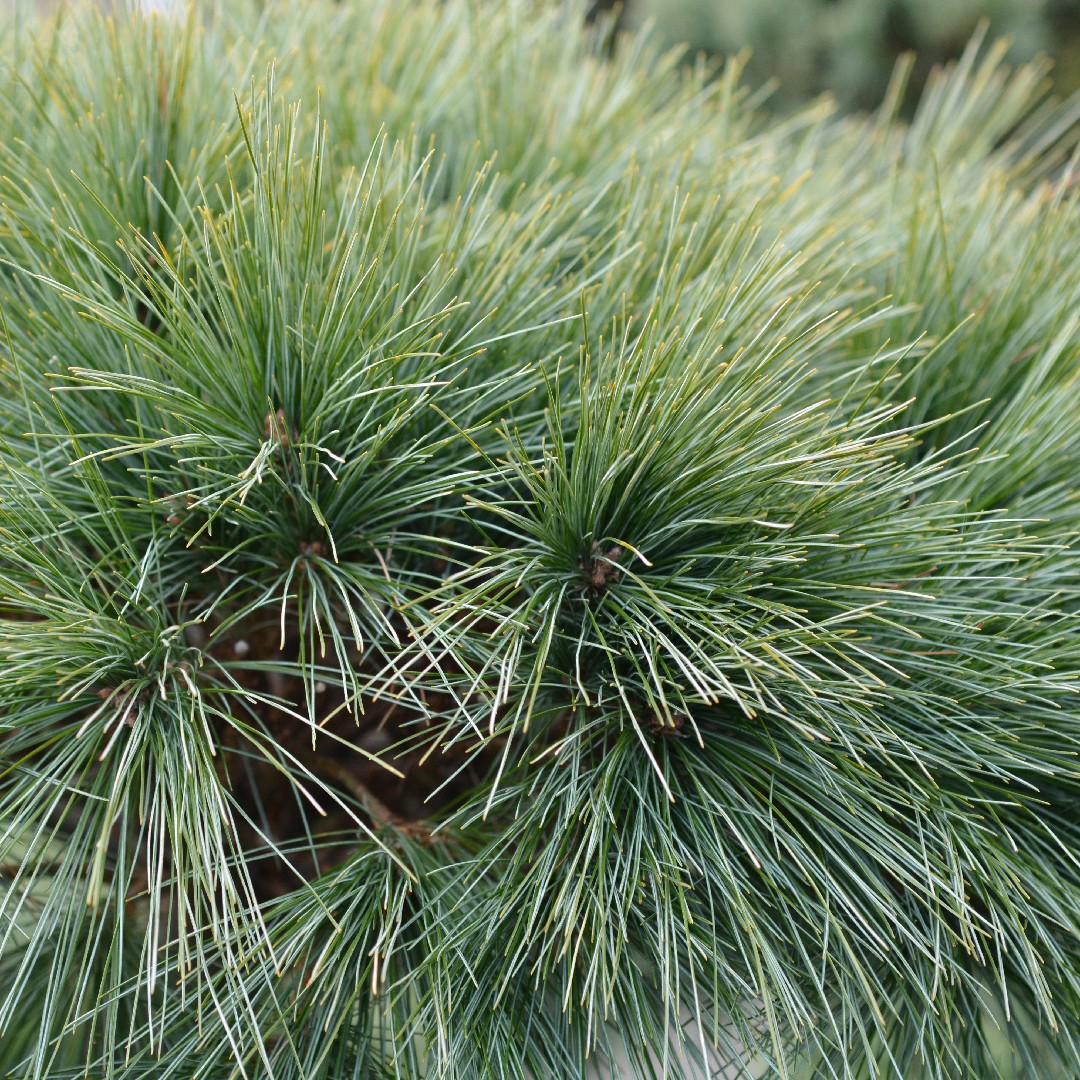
[(848, 47), (514, 563)]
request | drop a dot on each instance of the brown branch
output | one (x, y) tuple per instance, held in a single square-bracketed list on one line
[(381, 814)]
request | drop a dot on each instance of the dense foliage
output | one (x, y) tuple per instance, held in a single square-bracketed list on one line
[(848, 47), (515, 564)]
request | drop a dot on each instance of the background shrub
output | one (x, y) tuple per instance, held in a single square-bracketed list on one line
[(850, 47)]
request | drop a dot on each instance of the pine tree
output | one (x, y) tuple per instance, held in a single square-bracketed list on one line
[(515, 563)]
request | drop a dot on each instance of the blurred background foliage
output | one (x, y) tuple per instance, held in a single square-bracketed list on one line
[(848, 48), (851, 47)]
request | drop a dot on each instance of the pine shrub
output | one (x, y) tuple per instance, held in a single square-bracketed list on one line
[(515, 564)]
